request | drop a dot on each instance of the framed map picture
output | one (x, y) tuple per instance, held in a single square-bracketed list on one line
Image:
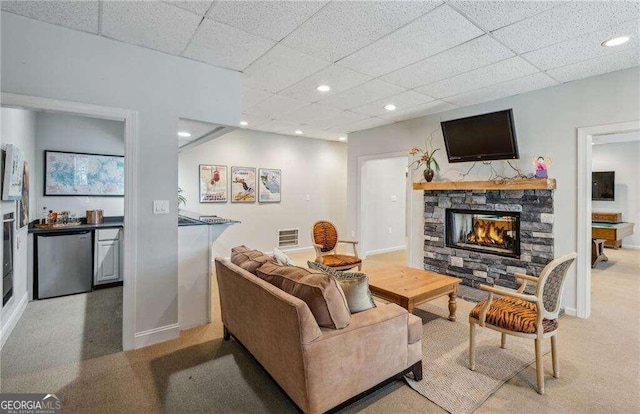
[(243, 185), (80, 174), (269, 185), (213, 183)]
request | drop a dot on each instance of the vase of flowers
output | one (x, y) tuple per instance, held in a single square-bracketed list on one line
[(425, 157)]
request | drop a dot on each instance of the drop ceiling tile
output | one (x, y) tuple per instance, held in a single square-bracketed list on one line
[(366, 124), (311, 114), (338, 78), (343, 27), (198, 7), (468, 56), (154, 25), (492, 15), (344, 118), (566, 22), (402, 101), (271, 19), (279, 127), (513, 87), (438, 30), (79, 15), (597, 66), (251, 97), (225, 46), (584, 47), (513, 68), (329, 135), (362, 94), (253, 121), (430, 108), (275, 106), (281, 67)]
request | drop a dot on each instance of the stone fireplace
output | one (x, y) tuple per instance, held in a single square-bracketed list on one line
[(484, 231), (484, 236)]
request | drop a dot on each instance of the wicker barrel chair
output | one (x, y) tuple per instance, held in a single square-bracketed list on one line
[(325, 240), (529, 316)]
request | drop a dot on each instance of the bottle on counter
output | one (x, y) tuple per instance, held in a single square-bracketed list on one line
[(44, 217)]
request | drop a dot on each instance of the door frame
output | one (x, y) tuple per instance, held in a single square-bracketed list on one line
[(360, 208), (583, 232), (131, 134)]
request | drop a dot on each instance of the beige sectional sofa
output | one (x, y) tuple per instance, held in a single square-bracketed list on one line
[(319, 368)]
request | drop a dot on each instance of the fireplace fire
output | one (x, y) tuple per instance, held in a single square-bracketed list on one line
[(484, 231)]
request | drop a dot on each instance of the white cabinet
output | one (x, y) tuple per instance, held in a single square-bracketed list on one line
[(106, 267)]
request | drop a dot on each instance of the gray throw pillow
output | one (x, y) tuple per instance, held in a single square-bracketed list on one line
[(355, 286)]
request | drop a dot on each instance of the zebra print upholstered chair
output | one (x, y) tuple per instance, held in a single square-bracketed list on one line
[(325, 240), (529, 316)]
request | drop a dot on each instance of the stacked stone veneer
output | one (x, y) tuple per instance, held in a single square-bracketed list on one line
[(536, 235)]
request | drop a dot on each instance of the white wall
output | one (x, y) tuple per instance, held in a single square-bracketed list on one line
[(60, 132), (624, 159), (18, 128), (545, 120), (44, 60), (384, 189), (309, 167)]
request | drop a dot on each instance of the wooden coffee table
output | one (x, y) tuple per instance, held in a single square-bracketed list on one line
[(409, 287)]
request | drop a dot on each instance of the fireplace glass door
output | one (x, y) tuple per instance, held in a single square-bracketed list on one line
[(492, 232)]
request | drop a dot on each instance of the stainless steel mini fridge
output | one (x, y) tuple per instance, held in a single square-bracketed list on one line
[(64, 263)]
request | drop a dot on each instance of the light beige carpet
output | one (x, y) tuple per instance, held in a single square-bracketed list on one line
[(447, 381)]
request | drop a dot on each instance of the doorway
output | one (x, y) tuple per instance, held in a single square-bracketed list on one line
[(586, 137), (383, 205), (130, 122)]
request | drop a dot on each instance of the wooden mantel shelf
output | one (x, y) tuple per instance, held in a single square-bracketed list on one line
[(532, 184)]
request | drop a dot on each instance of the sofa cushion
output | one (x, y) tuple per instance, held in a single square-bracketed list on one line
[(415, 328), (248, 259), (319, 291), (355, 286)]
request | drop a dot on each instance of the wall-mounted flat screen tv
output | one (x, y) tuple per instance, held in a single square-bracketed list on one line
[(603, 185), (481, 138)]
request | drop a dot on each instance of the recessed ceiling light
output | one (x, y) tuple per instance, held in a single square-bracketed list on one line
[(323, 88), (244, 123), (184, 134), (616, 41), (342, 138), (390, 107), (298, 132)]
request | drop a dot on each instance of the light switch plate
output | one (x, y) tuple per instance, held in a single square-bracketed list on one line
[(160, 206), (394, 199)]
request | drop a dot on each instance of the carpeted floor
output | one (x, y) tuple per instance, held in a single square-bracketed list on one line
[(600, 368)]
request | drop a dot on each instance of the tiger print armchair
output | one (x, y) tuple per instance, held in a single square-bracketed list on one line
[(325, 240), (529, 316)]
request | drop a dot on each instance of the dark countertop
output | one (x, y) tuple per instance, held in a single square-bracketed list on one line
[(189, 218), (109, 223)]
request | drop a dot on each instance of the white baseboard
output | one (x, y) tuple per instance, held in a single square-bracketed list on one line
[(156, 335), (630, 246), (13, 319), (570, 311), (387, 250)]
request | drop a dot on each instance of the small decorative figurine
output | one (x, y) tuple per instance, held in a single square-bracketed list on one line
[(541, 164)]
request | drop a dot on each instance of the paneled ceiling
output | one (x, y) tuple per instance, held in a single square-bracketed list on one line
[(424, 57)]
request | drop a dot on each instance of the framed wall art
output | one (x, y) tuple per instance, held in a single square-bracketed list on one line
[(13, 170), (81, 174), (213, 183), (243, 184), (269, 185)]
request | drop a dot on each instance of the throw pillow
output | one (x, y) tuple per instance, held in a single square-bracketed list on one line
[(248, 259), (355, 286), (282, 258), (319, 291)]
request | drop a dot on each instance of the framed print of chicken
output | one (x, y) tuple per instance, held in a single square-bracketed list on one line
[(243, 185), (213, 183), (269, 185)]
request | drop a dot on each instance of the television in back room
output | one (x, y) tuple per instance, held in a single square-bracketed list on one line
[(484, 137), (603, 185)]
